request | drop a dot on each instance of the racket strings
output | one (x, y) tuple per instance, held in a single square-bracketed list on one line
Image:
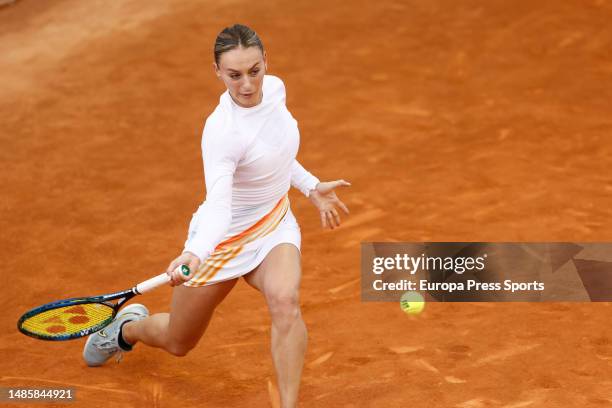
[(67, 320)]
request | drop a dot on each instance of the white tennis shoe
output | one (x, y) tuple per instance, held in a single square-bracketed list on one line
[(104, 344)]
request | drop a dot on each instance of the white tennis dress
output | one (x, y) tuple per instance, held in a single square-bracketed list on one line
[(249, 166)]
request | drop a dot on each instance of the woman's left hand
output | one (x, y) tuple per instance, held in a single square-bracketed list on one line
[(325, 199)]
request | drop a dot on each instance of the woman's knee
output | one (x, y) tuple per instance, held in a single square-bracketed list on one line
[(284, 307), (178, 348)]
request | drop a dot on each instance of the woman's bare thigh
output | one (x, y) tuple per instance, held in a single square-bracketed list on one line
[(192, 309)]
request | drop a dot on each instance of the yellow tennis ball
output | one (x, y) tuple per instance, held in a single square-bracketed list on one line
[(412, 302)]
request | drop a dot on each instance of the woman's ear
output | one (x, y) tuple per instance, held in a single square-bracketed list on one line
[(217, 71), (265, 58)]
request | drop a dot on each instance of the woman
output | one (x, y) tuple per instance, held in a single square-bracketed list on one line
[(245, 227)]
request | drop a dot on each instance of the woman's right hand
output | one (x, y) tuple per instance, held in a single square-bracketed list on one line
[(186, 258)]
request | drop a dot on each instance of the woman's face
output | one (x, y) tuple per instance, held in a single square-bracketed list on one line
[(242, 71)]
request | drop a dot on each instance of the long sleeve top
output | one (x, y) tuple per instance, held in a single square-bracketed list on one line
[(249, 165)]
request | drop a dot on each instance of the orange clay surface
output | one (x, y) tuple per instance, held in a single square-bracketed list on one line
[(454, 120)]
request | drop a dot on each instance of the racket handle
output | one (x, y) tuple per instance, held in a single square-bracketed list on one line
[(158, 281)]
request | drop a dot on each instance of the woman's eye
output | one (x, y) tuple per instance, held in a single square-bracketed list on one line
[(253, 73), (235, 76)]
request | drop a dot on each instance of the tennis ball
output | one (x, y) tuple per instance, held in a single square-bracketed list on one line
[(412, 302)]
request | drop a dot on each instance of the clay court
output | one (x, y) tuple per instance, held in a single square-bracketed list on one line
[(464, 120)]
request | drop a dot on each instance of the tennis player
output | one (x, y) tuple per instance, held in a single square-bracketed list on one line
[(245, 226)]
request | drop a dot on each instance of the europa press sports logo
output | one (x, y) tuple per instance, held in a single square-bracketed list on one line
[(412, 264)]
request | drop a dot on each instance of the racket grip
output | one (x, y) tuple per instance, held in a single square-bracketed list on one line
[(159, 280), (153, 283)]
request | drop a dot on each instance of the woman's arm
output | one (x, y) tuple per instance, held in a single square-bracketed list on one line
[(302, 179), (212, 220), (221, 154)]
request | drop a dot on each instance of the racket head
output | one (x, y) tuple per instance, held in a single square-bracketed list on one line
[(68, 319)]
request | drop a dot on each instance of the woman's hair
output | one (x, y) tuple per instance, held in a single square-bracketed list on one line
[(236, 36)]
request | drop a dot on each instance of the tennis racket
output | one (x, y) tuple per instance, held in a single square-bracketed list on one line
[(78, 317)]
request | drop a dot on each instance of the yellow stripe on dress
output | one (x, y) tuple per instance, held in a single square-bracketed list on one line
[(233, 246)]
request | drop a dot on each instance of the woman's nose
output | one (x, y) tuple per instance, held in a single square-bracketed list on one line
[(246, 83)]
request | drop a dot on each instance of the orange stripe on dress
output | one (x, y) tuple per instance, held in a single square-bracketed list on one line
[(253, 227), (224, 252), (220, 266), (214, 264), (270, 227), (204, 276)]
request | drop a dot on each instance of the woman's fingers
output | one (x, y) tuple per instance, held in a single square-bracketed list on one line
[(328, 186), (342, 183), (338, 183), (332, 185), (341, 205), (323, 220), (330, 219), (175, 271), (194, 265), (336, 216), (174, 276), (171, 267), (178, 277), (172, 271)]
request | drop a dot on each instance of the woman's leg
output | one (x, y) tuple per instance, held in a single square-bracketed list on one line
[(278, 279), (180, 330)]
